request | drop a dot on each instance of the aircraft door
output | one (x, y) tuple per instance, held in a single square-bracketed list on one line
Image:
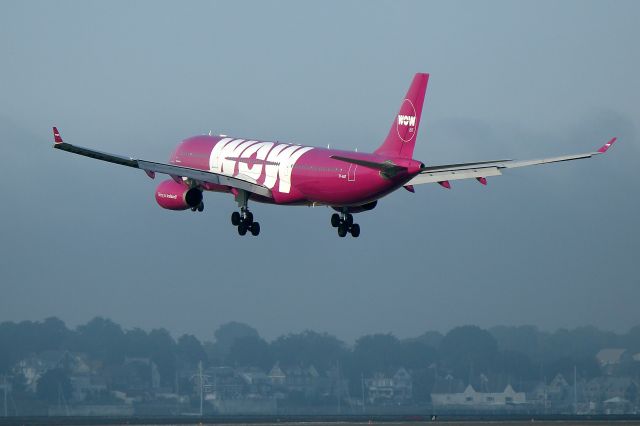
[(351, 173)]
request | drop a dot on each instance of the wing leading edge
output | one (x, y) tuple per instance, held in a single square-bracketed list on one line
[(151, 168), (484, 169)]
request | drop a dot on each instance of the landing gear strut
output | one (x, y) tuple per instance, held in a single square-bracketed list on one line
[(344, 223), (243, 219)]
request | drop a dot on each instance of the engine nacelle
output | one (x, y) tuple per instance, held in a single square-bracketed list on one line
[(172, 195)]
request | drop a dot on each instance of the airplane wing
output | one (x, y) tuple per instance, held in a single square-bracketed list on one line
[(151, 168), (480, 171)]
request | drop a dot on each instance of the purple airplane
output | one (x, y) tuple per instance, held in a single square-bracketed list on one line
[(294, 175)]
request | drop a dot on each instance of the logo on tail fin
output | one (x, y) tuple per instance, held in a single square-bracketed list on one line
[(406, 124)]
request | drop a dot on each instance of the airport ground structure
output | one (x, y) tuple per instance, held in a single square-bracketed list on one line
[(101, 370)]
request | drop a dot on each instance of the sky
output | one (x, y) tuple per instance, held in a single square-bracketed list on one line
[(553, 246)]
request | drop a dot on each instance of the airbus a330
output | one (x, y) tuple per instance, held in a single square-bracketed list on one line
[(293, 175)]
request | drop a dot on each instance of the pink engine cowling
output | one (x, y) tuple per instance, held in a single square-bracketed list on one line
[(172, 195)]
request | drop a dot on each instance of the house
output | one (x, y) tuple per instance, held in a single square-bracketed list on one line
[(302, 380), (256, 382), (558, 389), (84, 385), (610, 356), (276, 375), (223, 383), (472, 399), (556, 392), (617, 405), (334, 384), (33, 367), (602, 389), (135, 375), (383, 388)]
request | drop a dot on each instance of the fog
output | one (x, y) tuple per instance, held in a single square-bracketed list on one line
[(553, 246)]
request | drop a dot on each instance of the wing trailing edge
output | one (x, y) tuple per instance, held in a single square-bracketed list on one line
[(483, 169), (151, 168)]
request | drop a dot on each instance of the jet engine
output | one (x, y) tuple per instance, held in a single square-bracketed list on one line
[(172, 195)]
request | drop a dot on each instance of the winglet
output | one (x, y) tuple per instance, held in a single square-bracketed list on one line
[(606, 146), (56, 135)]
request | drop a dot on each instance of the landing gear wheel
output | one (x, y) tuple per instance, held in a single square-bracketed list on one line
[(193, 209), (255, 229), (242, 228), (335, 220), (200, 207), (355, 230), (342, 230), (235, 218), (349, 219), (248, 217)]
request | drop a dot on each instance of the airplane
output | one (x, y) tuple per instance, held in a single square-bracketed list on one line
[(294, 175)]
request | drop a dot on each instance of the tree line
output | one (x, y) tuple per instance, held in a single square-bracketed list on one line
[(522, 353)]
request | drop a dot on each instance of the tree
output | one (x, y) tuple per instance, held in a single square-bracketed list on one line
[(250, 351), (103, 339), (321, 350), (468, 350), (228, 333), (416, 354), (579, 342), (516, 366), (377, 353), (53, 385), (162, 350), (431, 338), (21, 339), (190, 350), (525, 339), (631, 340), (137, 343), (586, 367)]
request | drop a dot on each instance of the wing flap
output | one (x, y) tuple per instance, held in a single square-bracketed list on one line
[(204, 176), (434, 177)]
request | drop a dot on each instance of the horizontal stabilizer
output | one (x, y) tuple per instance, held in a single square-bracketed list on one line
[(388, 169)]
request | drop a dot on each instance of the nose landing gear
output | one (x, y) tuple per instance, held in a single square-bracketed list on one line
[(344, 223)]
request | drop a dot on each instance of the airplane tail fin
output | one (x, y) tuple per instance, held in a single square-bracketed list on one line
[(403, 133)]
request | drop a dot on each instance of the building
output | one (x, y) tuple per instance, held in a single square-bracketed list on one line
[(470, 398), (222, 383), (610, 356), (33, 367), (276, 375), (383, 388), (601, 389)]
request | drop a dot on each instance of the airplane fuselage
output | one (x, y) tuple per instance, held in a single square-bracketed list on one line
[(295, 174)]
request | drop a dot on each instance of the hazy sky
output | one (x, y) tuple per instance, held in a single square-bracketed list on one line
[(553, 246)]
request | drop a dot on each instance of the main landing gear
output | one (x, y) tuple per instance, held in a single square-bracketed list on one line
[(243, 219), (344, 223)]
